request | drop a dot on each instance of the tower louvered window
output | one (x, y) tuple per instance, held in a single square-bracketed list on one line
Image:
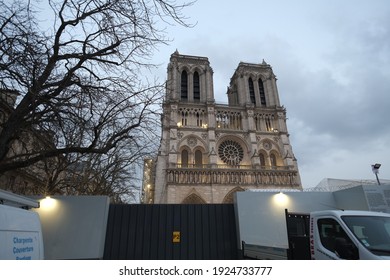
[(196, 87), (184, 85), (251, 91), (262, 93)]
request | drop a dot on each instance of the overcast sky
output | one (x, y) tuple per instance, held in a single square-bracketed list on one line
[(332, 61)]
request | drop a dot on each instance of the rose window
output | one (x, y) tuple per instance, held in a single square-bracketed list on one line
[(230, 152)]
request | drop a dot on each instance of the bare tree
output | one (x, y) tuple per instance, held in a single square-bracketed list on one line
[(116, 173), (80, 80)]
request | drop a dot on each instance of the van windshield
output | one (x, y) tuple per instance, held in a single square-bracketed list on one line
[(372, 231)]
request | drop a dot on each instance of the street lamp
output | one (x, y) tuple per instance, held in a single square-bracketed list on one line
[(375, 169)]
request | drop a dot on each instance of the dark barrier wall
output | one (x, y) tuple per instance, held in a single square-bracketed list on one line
[(171, 231)]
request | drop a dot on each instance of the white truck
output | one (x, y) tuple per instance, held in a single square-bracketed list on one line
[(20, 228), (330, 235)]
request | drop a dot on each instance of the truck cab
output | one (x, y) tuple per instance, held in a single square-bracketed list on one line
[(337, 234), (329, 235), (20, 228), (304, 225)]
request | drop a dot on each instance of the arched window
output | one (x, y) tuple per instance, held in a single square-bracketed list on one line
[(268, 123), (184, 85), (262, 93), (184, 116), (262, 160), (196, 87), (273, 160), (251, 91), (184, 158), (198, 158), (199, 121)]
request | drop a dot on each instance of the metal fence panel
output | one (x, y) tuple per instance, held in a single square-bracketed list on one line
[(140, 231)]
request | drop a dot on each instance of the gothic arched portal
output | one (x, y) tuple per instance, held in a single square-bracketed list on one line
[(193, 199), (228, 199)]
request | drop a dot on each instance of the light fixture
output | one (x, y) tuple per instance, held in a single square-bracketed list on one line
[(375, 169), (281, 199), (48, 203)]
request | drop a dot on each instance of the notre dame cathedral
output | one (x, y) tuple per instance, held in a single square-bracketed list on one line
[(208, 151)]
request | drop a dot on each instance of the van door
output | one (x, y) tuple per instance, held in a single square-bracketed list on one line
[(333, 242), (298, 236)]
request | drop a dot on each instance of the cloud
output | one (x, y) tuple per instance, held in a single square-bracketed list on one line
[(339, 109)]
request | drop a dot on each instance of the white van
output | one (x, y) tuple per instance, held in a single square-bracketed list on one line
[(20, 234)]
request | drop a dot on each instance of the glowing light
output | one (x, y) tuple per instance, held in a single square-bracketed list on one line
[(281, 199), (48, 203)]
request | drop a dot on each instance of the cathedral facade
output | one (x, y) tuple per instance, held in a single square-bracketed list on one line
[(208, 151)]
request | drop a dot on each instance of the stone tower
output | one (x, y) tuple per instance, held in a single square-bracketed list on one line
[(208, 151)]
